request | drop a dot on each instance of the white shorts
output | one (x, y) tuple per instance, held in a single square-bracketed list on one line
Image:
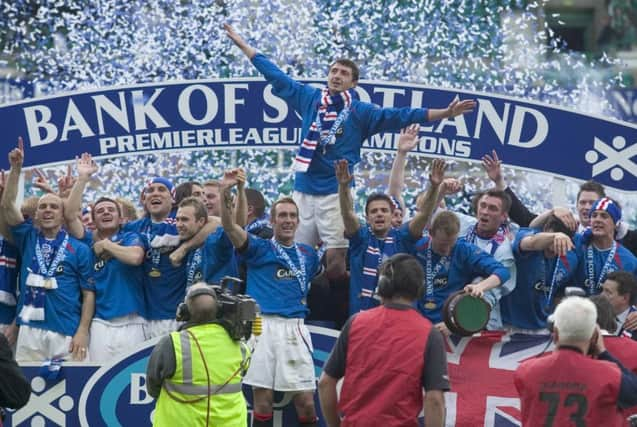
[(282, 356), (38, 345), (320, 220), (159, 328), (114, 337)]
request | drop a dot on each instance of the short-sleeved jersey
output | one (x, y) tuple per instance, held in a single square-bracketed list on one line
[(526, 307), (466, 262), (164, 284), (62, 306), (272, 283), (118, 286)]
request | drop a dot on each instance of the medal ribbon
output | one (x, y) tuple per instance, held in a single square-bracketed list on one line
[(299, 272), (431, 272), (57, 258), (592, 286), (342, 116), (194, 262), (549, 294)]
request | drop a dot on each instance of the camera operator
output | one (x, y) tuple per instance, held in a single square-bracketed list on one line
[(568, 387), (196, 372)]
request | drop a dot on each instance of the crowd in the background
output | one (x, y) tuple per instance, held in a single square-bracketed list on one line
[(92, 279)]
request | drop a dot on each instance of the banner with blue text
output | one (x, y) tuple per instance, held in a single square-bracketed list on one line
[(243, 113)]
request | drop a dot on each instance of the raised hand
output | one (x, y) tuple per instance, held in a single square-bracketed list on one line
[(437, 173), (241, 177), (86, 166), (16, 156), (41, 181), (232, 34), (65, 182), (457, 107), (450, 186), (342, 172), (230, 178), (491, 164), (408, 138), (239, 41)]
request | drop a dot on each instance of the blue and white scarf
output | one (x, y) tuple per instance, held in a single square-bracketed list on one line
[(495, 241), (378, 250), (48, 256), (330, 115)]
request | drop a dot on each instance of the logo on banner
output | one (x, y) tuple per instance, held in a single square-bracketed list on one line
[(41, 406), (117, 393), (618, 158)]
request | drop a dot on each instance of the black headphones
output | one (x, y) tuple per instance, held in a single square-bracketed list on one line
[(386, 280), (183, 313), (386, 284)]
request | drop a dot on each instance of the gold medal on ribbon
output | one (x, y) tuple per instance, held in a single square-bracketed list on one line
[(154, 273), (48, 283), (430, 305)]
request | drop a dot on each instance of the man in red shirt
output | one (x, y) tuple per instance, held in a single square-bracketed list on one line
[(383, 386), (569, 388)]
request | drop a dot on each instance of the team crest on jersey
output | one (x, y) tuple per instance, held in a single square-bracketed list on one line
[(339, 131), (284, 273), (59, 270), (198, 277)]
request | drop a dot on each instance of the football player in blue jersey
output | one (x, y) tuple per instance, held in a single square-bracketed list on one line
[(214, 259), (279, 271), (375, 240), (597, 250), (57, 298), (335, 124), (451, 265), (546, 264), (117, 258)]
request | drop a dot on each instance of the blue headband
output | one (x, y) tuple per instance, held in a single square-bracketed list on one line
[(163, 181)]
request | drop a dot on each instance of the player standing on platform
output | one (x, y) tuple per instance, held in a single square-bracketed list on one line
[(335, 124)]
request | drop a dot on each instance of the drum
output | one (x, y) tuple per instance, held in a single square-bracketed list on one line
[(464, 314)]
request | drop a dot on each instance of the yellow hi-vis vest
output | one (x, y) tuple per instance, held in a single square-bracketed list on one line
[(226, 362)]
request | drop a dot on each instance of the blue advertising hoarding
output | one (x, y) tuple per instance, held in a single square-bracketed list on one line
[(114, 394), (243, 113)]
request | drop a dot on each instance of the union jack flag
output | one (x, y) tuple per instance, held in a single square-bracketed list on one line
[(481, 375)]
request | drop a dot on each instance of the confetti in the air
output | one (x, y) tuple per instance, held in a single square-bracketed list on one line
[(487, 45)]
